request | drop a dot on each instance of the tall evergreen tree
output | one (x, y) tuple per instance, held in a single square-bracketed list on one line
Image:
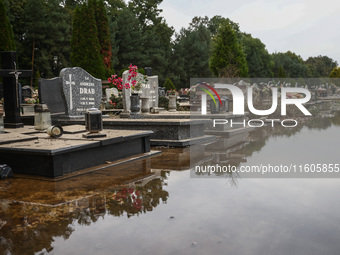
[(191, 51), (6, 31), (147, 11), (227, 58), (258, 59), (289, 64), (59, 37), (129, 40), (85, 44), (103, 35)]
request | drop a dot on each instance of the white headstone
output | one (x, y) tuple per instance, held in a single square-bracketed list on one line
[(111, 91), (150, 89)]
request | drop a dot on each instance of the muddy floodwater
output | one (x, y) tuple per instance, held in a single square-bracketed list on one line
[(160, 205)]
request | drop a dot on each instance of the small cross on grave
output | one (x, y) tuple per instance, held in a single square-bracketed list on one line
[(10, 76), (70, 82)]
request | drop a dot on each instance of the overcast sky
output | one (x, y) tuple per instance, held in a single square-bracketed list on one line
[(306, 27)]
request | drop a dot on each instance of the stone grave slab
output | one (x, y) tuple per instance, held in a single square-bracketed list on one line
[(56, 157), (8, 138), (80, 91)]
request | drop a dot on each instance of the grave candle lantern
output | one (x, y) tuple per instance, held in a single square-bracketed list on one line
[(42, 117), (93, 123)]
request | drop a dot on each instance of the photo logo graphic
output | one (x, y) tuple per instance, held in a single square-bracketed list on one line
[(204, 97), (238, 99)]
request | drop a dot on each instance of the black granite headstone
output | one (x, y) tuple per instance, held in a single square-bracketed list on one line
[(26, 92), (148, 71), (50, 93), (80, 91)]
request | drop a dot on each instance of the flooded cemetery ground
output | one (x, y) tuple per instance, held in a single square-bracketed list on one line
[(159, 205)]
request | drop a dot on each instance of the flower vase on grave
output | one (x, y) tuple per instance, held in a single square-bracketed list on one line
[(135, 103), (145, 104), (172, 103)]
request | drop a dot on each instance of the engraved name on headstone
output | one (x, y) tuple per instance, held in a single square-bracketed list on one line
[(80, 91)]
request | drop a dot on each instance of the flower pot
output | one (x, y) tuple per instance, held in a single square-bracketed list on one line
[(172, 103), (135, 103), (145, 104)]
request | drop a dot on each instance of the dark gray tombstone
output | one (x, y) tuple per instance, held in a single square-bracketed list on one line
[(26, 92), (50, 93), (148, 71), (80, 91)]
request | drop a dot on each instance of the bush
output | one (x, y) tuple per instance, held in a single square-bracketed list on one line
[(115, 103), (168, 85), (163, 102)]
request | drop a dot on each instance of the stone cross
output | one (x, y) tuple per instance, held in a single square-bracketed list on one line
[(10, 76), (70, 82)]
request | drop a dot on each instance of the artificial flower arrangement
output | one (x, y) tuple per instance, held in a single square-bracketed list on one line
[(133, 83)]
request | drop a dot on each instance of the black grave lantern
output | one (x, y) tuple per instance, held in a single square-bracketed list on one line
[(93, 123)]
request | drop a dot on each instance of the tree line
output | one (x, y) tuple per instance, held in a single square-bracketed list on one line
[(104, 37)]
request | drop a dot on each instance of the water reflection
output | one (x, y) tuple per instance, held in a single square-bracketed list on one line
[(35, 212), (152, 206), (238, 150)]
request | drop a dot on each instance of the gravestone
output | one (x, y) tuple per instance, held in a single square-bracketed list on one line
[(111, 91), (148, 71), (80, 91), (50, 93), (10, 76), (161, 92), (149, 90), (26, 92)]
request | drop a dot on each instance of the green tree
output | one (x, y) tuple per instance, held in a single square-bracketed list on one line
[(320, 66), (258, 59), (168, 85), (190, 58), (227, 58), (335, 73), (103, 35), (85, 44), (147, 11), (57, 45), (129, 39), (292, 65), (217, 21), (6, 31)]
